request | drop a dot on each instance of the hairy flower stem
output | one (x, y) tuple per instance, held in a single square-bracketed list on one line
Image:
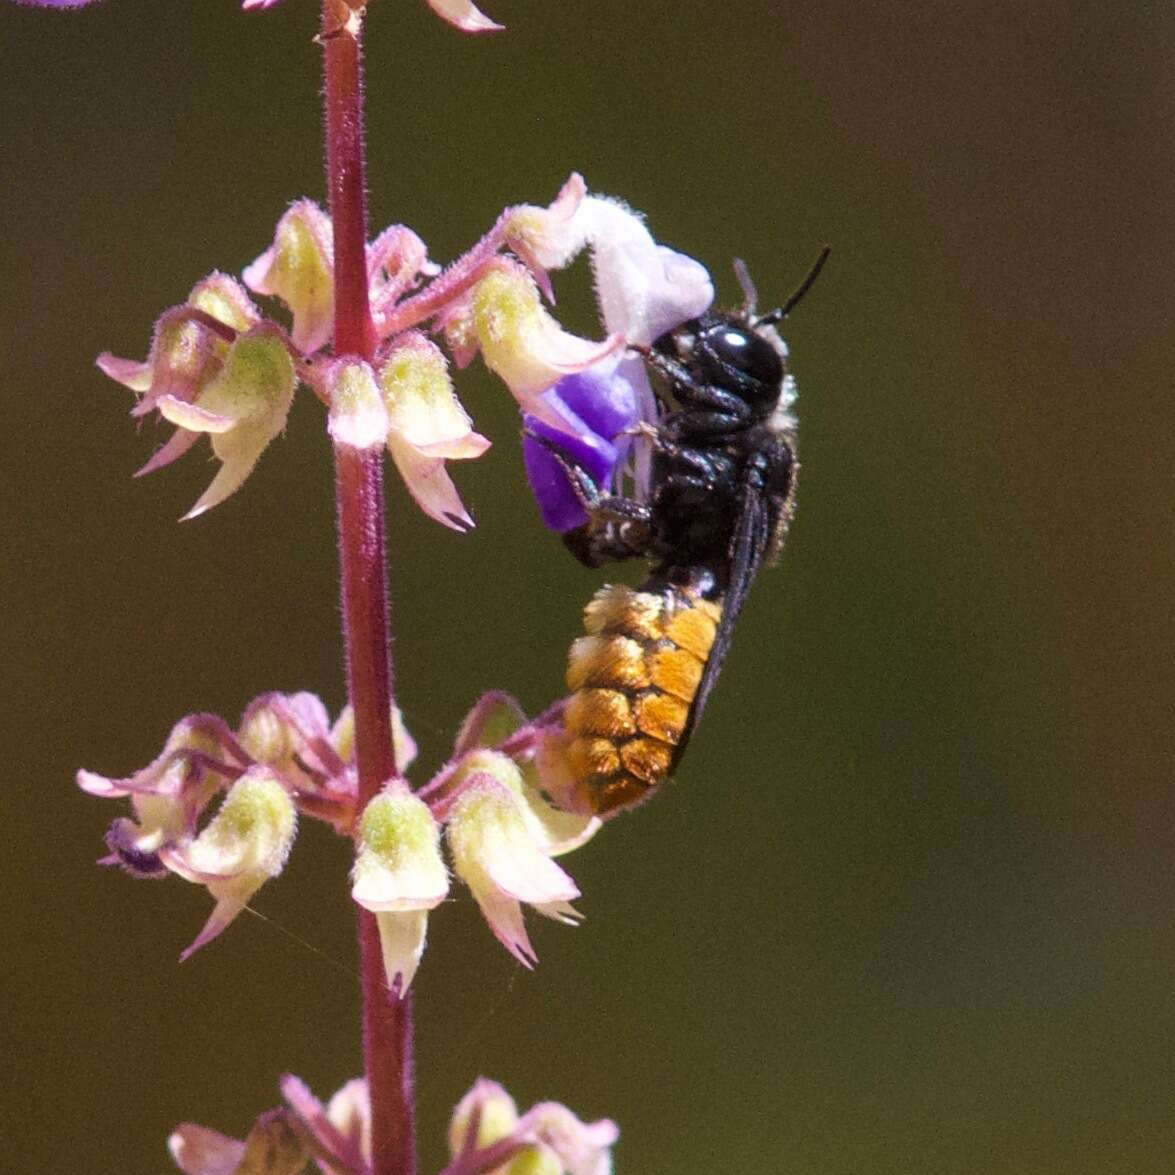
[(387, 1020)]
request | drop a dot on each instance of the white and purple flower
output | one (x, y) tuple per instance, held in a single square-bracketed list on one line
[(643, 290)]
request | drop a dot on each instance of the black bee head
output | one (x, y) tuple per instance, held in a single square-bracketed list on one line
[(741, 359), (732, 353)]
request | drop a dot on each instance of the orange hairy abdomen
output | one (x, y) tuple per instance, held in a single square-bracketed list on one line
[(633, 679)]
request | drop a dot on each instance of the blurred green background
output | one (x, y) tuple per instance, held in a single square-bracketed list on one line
[(910, 905)]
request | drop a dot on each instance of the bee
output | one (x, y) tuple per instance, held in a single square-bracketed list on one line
[(720, 497)]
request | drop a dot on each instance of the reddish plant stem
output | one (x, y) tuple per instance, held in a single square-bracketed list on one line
[(346, 178), (387, 1020)]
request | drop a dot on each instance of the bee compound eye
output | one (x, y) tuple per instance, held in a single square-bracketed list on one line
[(747, 352)]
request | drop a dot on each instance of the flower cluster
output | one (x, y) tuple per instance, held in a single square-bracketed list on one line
[(486, 1134), (221, 804), (286, 758), (217, 365)]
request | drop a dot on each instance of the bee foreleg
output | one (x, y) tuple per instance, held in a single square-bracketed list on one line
[(703, 402), (602, 507), (698, 426)]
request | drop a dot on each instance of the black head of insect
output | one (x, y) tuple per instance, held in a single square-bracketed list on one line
[(728, 353), (737, 352)]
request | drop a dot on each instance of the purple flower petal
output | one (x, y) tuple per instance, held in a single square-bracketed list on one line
[(559, 507), (598, 405), (602, 397)]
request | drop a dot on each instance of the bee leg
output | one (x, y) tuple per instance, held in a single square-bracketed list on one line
[(619, 525), (582, 485), (613, 508), (594, 548), (676, 485), (672, 369), (689, 387), (602, 507), (618, 528), (710, 411), (690, 463), (693, 391)]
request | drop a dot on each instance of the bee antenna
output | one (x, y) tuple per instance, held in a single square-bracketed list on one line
[(804, 286), (750, 294)]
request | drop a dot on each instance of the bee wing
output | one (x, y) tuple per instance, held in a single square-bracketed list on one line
[(748, 552)]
